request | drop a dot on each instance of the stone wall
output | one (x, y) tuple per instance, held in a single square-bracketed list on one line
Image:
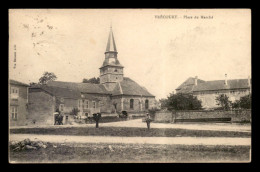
[(236, 115), (105, 103), (41, 108), (139, 103)]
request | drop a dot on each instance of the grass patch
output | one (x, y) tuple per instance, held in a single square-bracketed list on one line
[(129, 132), (98, 153)]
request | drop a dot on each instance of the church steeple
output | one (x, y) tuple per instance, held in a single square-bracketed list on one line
[(111, 45), (111, 70)]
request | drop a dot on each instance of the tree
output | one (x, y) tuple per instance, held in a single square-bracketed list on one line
[(93, 80), (243, 103), (163, 103), (182, 102), (47, 76), (223, 101)]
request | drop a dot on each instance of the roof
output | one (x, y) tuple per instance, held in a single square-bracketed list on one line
[(18, 83), (81, 87), (220, 85), (111, 45), (187, 86), (130, 87), (58, 91), (125, 87)]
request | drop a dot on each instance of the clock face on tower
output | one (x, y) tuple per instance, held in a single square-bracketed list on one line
[(111, 60)]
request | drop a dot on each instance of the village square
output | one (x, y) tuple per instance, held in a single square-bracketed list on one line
[(113, 118)]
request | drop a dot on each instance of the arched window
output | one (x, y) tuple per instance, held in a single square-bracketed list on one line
[(146, 104), (131, 103)]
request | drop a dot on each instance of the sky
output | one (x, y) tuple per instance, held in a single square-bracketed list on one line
[(158, 53)]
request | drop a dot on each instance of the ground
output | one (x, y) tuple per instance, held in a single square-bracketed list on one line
[(109, 153), (130, 141)]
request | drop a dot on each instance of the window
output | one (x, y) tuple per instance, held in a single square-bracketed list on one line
[(115, 70), (146, 104), (14, 112), (79, 104), (14, 92), (94, 104), (131, 103), (61, 107), (85, 106)]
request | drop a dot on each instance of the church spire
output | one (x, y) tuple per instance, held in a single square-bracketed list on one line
[(111, 45)]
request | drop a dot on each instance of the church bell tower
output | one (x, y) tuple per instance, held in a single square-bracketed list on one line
[(111, 71)]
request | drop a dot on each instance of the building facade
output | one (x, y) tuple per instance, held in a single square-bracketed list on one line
[(207, 91), (18, 103)]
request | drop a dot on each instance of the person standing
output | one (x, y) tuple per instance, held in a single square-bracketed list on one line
[(148, 120)]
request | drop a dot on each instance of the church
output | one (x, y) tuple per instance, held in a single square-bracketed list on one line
[(115, 92)]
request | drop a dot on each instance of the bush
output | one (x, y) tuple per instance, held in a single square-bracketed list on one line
[(182, 102)]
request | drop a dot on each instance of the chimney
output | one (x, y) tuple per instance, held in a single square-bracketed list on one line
[(196, 80), (249, 81), (225, 79)]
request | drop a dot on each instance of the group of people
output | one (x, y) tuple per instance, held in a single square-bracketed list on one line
[(58, 118), (96, 117)]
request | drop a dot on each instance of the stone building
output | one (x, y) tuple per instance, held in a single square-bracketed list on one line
[(18, 103), (115, 93), (45, 100), (207, 91)]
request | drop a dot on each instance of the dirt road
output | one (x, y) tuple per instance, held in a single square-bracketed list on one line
[(135, 140), (139, 124)]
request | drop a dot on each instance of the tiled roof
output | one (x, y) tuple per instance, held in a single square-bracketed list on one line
[(125, 87), (58, 91), (18, 83), (130, 87), (81, 87), (220, 85), (187, 86)]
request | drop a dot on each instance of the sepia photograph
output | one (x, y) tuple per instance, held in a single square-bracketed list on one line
[(129, 86)]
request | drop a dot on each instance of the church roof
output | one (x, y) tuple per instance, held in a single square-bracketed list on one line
[(125, 87), (81, 87), (130, 87)]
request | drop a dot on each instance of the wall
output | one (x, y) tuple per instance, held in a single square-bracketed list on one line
[(139, 103), (41, 108), (236, 115), (208, 98), (69, 104), (21, 103), (105, 103)]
